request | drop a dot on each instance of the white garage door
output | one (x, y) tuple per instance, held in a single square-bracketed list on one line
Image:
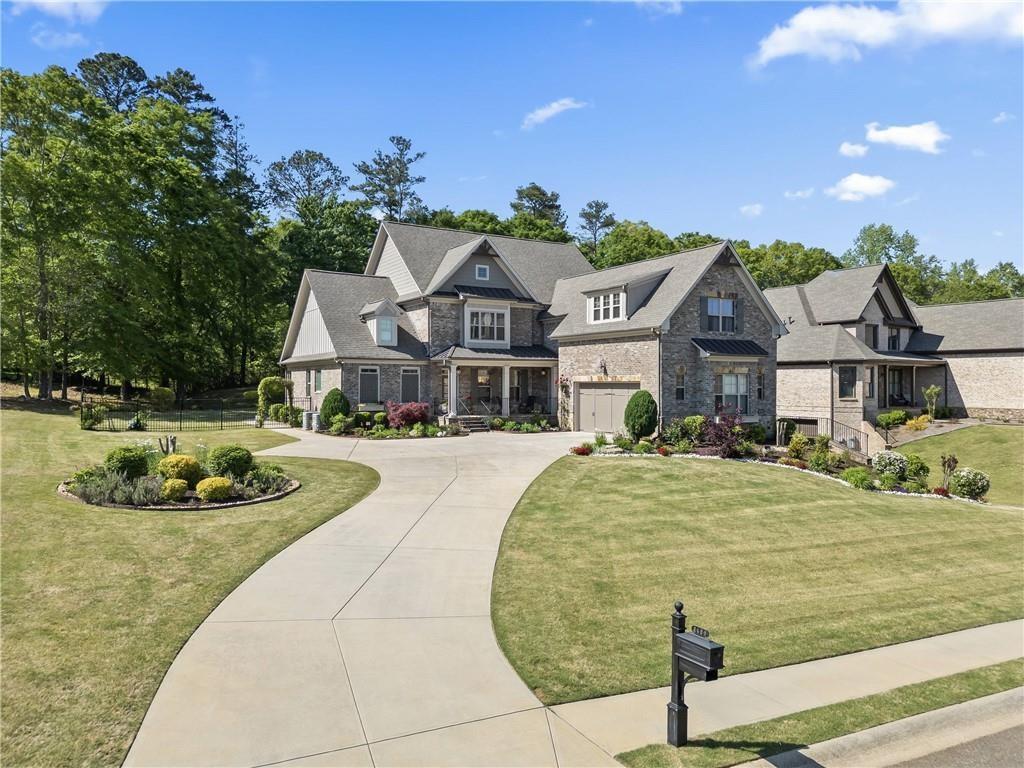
[(601, 407)]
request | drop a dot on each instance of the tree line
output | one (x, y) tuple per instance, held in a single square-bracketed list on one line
[(142, 242)]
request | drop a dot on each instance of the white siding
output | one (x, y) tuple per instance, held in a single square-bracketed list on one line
[(312, 338), (392, 265)]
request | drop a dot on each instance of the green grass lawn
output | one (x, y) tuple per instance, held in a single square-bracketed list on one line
[(995, 450), (812, 726), (781, 566), (97, 602)]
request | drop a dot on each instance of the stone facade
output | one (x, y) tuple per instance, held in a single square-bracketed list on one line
[(445, 325), (678, 352), (524, 331), (419, 318), (390, 382), (627, 359)]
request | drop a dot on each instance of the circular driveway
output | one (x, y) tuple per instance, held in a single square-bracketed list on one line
[(369, 640)]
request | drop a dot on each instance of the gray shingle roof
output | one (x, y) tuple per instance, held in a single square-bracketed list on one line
[(824, 343), (682, 272), (841, 294), (537, 263), (338, 294), (535, 352), (975, 325)]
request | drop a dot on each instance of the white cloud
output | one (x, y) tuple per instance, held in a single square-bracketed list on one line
[(588, 22), (799, 194), (45, 38), (661, 7), (548, 111), (841, 32), (907, 200), (464, 179), (1003, 117), (924, 137), (857, 186), (849, 149), (997, 233), (752, 210), (71, 11)]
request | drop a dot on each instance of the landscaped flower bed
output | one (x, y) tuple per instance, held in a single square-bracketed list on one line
[(139, 476), (397, 420), (890, 472), (532, 425)]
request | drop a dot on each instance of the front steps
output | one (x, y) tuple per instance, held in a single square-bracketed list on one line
[(473, 423)]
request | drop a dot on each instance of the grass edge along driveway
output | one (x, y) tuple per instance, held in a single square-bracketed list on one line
[(97, 602), (812, 726), (781, 566)]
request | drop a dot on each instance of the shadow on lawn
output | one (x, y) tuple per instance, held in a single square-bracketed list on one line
[(781, 754)]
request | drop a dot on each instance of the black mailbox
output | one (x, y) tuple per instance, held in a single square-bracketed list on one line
[(694, 654)]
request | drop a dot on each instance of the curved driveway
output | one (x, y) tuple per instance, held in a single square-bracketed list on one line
[(369, 640)]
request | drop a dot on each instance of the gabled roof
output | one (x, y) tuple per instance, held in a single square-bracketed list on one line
[(431, 251), (337, 295), (487, 292), (842, 295), (970, 326), (675, 276), (833, 343), (381, 307)]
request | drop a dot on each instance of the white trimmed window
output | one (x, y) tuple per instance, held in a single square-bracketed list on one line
[(721, 314), (483, 272), (410, 385), (318, 380), (731, 393), (487, 325), (605, 307), (309, 382), (369, 384), (385, 331), (869, 382)]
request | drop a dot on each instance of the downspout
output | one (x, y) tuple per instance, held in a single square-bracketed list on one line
[(831, 395), (661, 384)]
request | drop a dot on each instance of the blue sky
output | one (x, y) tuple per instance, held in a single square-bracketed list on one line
[(694, 117)]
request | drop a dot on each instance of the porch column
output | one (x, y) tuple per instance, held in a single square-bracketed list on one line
[(453, 387), (553, 390), (505, 372), (913, 385)]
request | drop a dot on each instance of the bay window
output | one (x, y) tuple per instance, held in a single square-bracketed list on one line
[(731, 393)]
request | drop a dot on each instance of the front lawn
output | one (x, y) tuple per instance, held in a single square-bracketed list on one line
[(780, 565), (996, 450), (97, 601)]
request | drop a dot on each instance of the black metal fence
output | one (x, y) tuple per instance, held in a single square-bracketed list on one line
[(841, 434), (109, 415)]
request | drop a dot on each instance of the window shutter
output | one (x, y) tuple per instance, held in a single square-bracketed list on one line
[(703, 313), (739, 315)]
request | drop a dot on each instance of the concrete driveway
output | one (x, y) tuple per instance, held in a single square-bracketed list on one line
[(369, 641)]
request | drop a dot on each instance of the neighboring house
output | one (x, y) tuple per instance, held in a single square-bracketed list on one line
[(485, 325), (857, 346)]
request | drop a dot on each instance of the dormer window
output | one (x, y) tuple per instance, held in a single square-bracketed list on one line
[(383, 330), (483, 272), (605, 307)]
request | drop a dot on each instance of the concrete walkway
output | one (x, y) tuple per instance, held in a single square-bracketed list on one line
[(621, 723), (369, 640)]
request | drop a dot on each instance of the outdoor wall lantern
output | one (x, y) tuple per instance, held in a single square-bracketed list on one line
[(696, 655)]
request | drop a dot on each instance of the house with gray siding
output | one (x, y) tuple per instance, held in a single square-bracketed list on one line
[(483, 325), (856, 346)]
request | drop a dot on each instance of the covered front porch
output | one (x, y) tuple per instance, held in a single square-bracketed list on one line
[(508, 391), (898, 384)]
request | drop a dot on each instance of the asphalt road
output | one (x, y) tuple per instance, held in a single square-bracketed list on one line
[(1003, 749)]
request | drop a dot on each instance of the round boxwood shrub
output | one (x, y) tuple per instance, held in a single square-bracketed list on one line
[(380, 418), (917, 468), (173, 489), (968, 482), (334, 403), (161, 398), (858, 477), (890, 463), (214, 489), (129, 460), (230, 460), (641, 417), (177, 467)]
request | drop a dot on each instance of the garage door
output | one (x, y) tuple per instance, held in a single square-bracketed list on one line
[(601, 407)]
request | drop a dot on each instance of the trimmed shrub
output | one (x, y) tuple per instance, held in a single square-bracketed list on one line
[(641, 417), (674, 431), (214, 489), (940, 491), (920, 423), (419, 429), (917, 468), (230, 460), (891, 419), (683, 446), (643, 447), (791, 462), (497, 422), (334, 403), (404, 414), (433, 430), (757, 433), (725, 434), (820, 461), (890, 463), (943, 412), (173, 489), (583, 450), (858, 477), (888, 482), (128, 460), (694, 426), (798, 445), (161, 398), (380, 418), (972, 483), (277, 412), (180, 467)]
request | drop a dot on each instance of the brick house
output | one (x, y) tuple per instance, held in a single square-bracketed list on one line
[(857, 346), (486, 325)]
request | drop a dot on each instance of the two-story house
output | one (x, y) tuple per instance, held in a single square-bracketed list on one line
[(857, 346), (487, 325)]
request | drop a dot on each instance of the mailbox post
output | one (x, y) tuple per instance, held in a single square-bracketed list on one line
[(694, 654)]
